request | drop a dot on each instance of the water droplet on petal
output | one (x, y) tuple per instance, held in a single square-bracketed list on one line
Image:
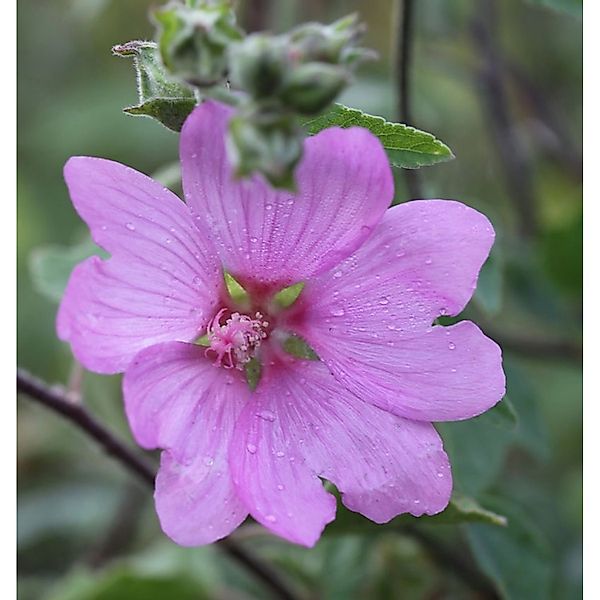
[(451, 345), (130, 226), (271, 518), (209, 461), (267, 415), (384, 300), (337, 274), (251, 448), (338, 312)]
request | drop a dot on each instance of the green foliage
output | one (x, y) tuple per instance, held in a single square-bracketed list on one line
[(516, 557), (488, 295), (570, 7), (51, 266), (159, 97), (123, 584), (408, 147)]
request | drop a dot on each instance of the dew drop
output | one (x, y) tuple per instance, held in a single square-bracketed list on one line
[(251, 448), (384, 300), (280, 487), (267, 415), (271, 518), (338, 312), (130, 226), (337, 274), (451, 345), (209, 461), (197, 280), (279, 454)]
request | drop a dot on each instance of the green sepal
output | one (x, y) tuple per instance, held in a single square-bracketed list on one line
[(159, 97), (297, 347), (253, 370), (287, 296), (193, 40), (235, 289)]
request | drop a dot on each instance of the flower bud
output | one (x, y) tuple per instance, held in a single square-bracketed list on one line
[(310, 88), (193, 41), (258, 65), (265, 141)]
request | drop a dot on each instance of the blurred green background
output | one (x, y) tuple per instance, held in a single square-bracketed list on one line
[(503, 90)]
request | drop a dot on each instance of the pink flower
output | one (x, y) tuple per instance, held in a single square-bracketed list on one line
[(375, 281)]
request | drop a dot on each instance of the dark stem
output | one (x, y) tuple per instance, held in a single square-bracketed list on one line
[(404, 25), (55, 399), (452, 562), (531, 346), (513, 156)]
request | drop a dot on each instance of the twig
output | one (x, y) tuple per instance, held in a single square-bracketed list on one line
[(513, 155), (403, 35), (55, 399), (453, 563), (549, 348)]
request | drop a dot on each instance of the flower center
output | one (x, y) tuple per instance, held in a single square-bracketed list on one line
[(235, 343)]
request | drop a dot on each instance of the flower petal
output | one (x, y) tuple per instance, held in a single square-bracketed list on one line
[(370, 319), (277, 238), (195, 502), (383, 465), (270, 474), (162, 282), (172, 393), (176, 399)]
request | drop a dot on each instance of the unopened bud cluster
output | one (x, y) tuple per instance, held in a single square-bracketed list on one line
[(273, 80)]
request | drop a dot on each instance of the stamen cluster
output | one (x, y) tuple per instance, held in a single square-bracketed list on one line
[(235, 343)]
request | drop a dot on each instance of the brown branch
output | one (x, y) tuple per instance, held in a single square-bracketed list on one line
[(531, 346), (403, 35), (55, 399)]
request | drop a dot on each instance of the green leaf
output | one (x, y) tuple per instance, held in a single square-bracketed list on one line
[(159, 97), (477, 449), (464, 509), (460, 509), (503, 414), (408, 147), (123, 584), (570, 7), (489, 292), (51, 266), (516, 558)]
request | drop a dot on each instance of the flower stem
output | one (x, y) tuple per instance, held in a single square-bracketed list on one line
[(403, 47)]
